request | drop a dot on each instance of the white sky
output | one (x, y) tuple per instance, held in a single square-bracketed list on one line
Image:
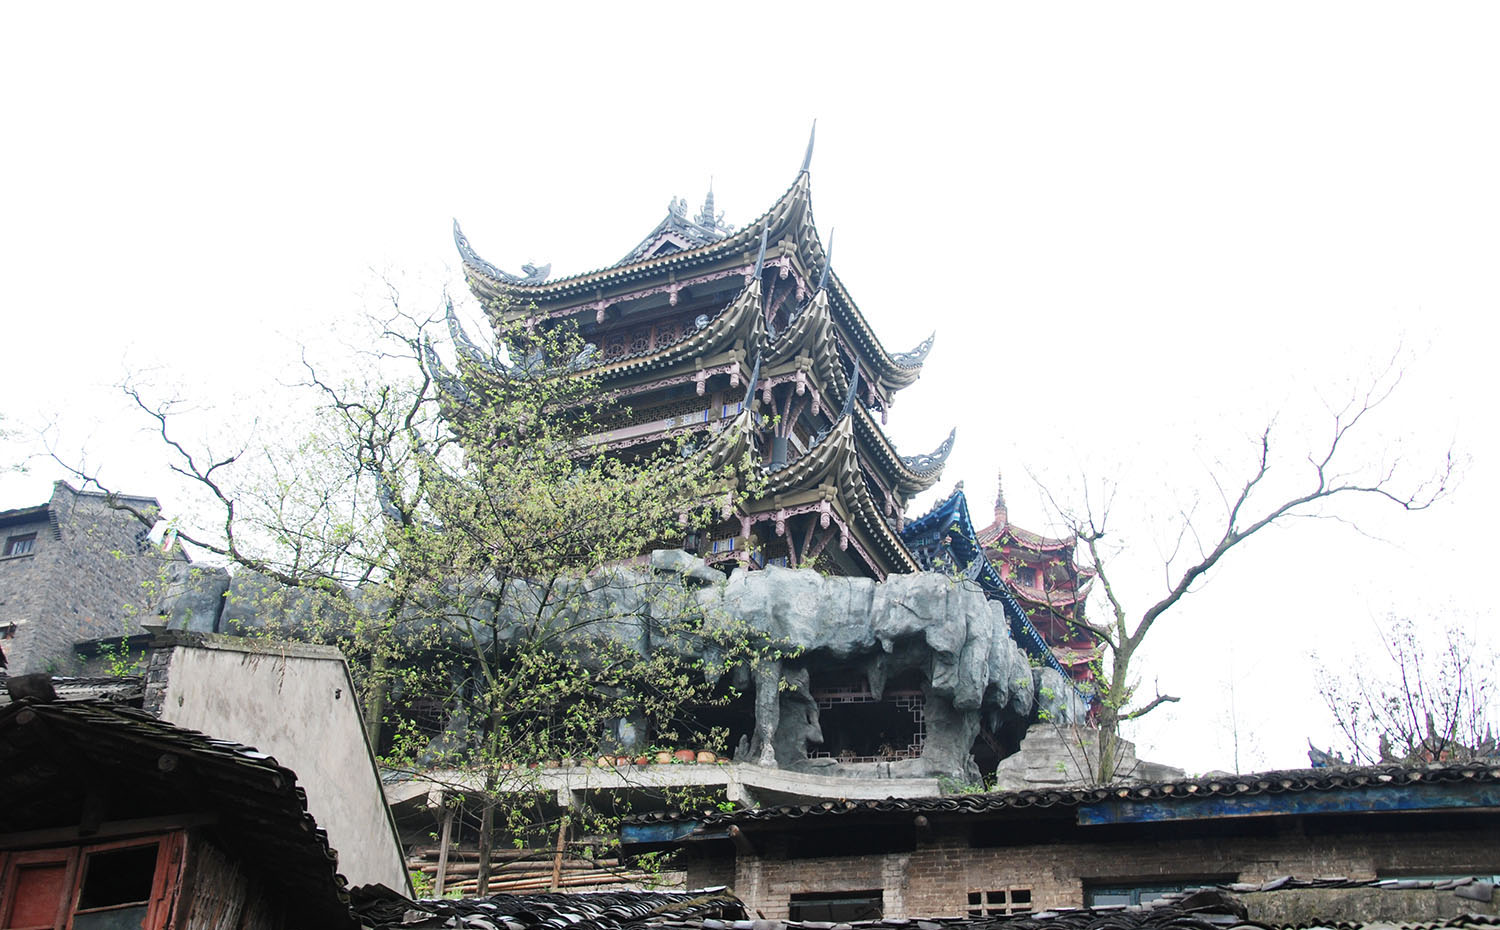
[(1141, 232)]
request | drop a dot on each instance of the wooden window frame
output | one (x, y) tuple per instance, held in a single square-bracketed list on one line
[(164, 881), (27, 539)]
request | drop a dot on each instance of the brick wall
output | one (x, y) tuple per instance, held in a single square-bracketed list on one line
[(87, 578), (936, 878)]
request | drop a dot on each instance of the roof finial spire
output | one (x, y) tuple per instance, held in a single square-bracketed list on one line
[(807, 159), (827, 264), (707, 216), (1000, 510)]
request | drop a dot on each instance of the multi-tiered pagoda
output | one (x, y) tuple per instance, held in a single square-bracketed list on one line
[(1052, 587), (749, 340)]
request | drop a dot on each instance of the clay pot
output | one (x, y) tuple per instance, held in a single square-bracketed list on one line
[(663, 757), (706, 757), (642, 760), (623, 760), (605, 761), (685, 755)]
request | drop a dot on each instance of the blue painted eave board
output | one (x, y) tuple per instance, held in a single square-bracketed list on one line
[(666, 832), (1436, 797)]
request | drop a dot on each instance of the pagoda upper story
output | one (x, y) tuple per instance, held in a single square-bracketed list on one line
[(747, 341), (1046, 578)]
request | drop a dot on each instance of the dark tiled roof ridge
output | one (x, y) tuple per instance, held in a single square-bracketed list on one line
[(1333, 778), (1203, 908), (741, 237), (280, 781), (378, 906)]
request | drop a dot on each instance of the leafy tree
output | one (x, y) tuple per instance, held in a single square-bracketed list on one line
[(1433, 699), (1316, 483), (462, 539)]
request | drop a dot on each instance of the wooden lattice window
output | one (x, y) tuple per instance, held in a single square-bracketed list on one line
[(640, 341), (999, 902)]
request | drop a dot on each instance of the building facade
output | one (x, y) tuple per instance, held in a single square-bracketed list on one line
[(74, 570), (1027, 851)]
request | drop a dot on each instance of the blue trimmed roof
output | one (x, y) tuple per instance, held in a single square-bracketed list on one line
[(948, 528)]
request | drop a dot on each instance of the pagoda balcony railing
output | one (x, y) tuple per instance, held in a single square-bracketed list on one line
[(648, 428)]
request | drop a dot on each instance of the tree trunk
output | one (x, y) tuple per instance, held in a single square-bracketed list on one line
[(1110, 705), (486, 841), (375, 700), (557, 854), (443, 844)]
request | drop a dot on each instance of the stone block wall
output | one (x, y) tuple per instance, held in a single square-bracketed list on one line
[(87, 578), (936, 878)]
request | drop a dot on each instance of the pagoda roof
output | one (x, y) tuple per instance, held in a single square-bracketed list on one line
[(1026, 539), (788, 226), (1072, 656), (832, 462), (791, 213), (913, 474), (949, 525), (678, 232), (740, 323), (1050, 599)]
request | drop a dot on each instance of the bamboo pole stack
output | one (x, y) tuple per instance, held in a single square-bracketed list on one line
[(527, 870)]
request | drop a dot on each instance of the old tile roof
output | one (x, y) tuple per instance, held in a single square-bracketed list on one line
[(117, 689), (261, 812), (1209, 908), (1341, 778), (380, 907)]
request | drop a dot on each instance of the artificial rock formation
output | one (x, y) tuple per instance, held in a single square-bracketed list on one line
[(926, 626)]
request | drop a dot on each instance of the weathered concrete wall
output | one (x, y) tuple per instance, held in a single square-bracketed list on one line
[(294, 702), (90, 576)]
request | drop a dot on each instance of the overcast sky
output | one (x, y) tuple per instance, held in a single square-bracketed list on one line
[(1142, 232)]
